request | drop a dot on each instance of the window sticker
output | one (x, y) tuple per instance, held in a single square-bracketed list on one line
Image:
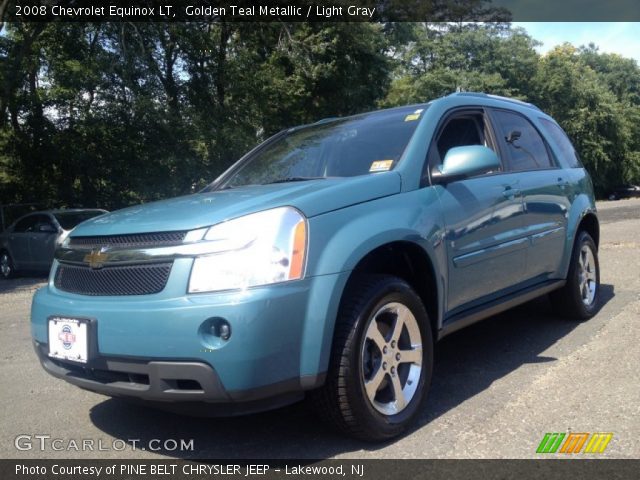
[(413, 116), (381, 165)]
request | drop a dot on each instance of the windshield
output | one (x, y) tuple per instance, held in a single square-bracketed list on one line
[(346, 147), (69, 220)]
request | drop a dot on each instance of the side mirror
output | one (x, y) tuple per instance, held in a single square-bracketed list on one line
[(463, 162)]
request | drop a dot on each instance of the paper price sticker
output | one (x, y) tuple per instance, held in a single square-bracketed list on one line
[(381, 165)]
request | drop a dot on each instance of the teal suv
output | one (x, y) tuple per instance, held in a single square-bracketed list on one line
[(327, 261)]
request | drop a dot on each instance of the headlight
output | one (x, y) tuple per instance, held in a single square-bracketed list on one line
[(259, 249)]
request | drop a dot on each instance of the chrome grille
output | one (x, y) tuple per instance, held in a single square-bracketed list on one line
[(155, 239), (115, 280)]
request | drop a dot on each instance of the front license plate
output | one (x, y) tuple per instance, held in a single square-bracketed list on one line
[(68, 339)]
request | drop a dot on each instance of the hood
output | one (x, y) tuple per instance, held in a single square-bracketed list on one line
[(312, 197)]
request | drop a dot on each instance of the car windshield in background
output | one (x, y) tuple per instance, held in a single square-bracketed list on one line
[(347, 147), (69, 220)]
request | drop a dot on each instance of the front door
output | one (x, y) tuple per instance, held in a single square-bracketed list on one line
[(483, 217), (19, 242), (42, 242)]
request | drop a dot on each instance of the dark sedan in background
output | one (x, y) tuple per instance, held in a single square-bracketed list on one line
[(29, 243), (625, 191)]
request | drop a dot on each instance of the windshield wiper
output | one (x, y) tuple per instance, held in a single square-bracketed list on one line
[(294, 179)]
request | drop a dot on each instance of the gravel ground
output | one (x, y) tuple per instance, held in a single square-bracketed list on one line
[(498, 386)]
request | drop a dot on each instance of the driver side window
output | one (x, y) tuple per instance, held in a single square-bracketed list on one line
[(460, 129), (460, 132)]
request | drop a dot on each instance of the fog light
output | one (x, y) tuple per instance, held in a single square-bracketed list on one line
[(214, 332)]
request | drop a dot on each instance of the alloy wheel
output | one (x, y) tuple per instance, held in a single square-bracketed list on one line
[(5, 265), (587, 275), (391, 358)]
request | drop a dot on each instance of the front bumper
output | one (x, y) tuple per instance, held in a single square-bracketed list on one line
[(157, 347), (166, 382)]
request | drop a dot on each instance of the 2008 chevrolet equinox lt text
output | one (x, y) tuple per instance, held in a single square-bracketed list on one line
[(326, 262)]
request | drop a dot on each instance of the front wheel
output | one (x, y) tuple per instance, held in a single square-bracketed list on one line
[(381, 362), (580, 297), (6, 266)]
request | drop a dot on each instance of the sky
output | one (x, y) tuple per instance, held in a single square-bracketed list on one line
[(622, 38)]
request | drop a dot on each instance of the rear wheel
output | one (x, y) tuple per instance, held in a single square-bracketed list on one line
[(381, 363), (6, 265), (580, 297)]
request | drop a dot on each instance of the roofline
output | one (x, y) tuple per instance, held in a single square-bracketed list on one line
[(495, 97)]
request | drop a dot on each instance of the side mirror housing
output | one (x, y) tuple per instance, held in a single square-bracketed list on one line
[(463, 162)]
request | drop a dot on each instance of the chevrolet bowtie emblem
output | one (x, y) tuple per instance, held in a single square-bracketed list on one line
[(96, 258)]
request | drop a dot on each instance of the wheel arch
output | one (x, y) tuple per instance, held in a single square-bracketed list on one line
[(581, 216), (410, 262), (590, 224)]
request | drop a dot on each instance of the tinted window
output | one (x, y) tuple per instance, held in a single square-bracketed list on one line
[(460, 132), (523, 144), (43, 221), (562, 140), (26, 224)]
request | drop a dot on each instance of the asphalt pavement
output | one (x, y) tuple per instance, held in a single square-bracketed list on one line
[(498, 387)]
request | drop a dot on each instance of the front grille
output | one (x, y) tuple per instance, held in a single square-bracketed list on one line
[(155, 239), (116, 280)]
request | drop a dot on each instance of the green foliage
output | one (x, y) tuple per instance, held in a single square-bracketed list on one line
[(441, 59), (600, 118), (114, 114)]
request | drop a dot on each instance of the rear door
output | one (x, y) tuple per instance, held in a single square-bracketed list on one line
[(545, 188), (483, 218)]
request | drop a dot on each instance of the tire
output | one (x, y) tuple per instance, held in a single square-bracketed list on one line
[(7, 269), (579, 299), (369, 311)]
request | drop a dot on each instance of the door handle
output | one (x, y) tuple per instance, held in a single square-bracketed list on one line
[(562, 183)]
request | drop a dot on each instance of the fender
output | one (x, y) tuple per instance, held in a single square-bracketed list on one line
[(339, 245)]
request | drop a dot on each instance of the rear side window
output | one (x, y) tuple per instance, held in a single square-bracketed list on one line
[(524, 147), (562, 140)]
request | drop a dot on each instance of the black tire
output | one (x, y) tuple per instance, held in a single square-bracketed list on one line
[(7, 270), (570, 301), (343, 400)]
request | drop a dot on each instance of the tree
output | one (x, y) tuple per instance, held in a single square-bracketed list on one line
[(603, 128), (445, 58)]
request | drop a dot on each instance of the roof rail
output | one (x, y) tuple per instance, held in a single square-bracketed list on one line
[(496, 97), (325, 120)]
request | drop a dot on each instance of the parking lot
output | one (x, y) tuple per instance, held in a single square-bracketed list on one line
[(498, 386)]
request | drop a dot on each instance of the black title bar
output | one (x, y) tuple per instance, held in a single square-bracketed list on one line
[(311, 11)]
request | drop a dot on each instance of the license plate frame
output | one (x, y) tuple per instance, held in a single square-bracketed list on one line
[(71, 338)]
